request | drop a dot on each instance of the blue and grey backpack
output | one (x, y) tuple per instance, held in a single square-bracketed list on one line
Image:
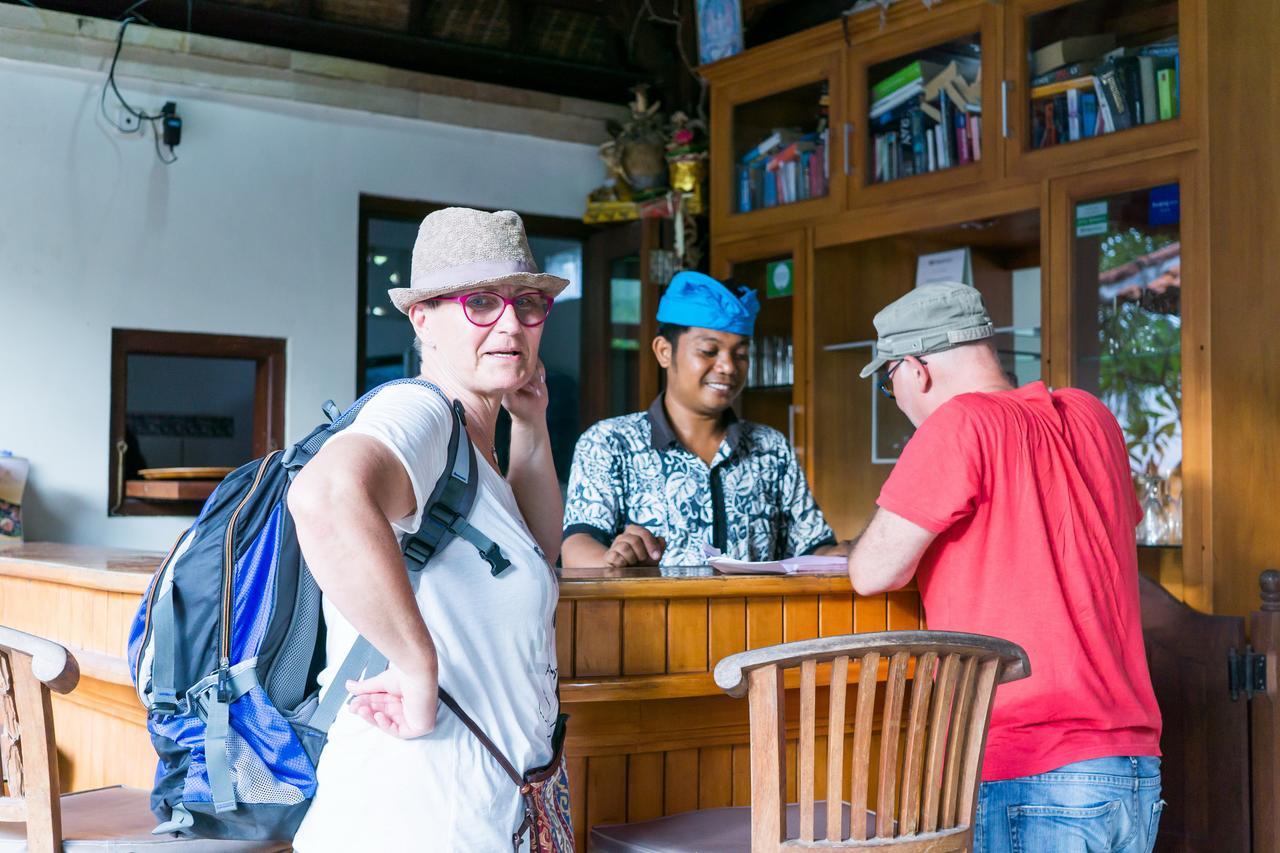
[(229, 639)]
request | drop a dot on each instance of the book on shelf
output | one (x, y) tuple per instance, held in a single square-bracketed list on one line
[(914, 72), (1050, 89), (923, 127), (1066, 72), (1164, 89), (1073, 114), (779, 138), (1112, 84), (1129, 68), (1106, 122), (937, 81), (1069, 50), (795, 172), (1088, 114), (889, 102)]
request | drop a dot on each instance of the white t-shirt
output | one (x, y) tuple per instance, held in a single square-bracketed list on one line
[(495, 640)]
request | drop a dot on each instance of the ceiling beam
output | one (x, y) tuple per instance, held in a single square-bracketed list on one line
[(410, 51)]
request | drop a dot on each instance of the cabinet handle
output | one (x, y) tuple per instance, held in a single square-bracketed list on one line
[(791, 424), (1005, 86), (848, 132)]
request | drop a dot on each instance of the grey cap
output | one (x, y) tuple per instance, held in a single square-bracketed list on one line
[(931, 318)]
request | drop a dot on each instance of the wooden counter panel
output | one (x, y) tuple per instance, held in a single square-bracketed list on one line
[(597, 643), (687, 636), (728, 631), (644, 637)]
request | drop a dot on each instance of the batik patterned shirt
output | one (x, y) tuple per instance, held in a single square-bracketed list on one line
[(752, 502)]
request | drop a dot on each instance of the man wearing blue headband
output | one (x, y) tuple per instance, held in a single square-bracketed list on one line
[(655, 487)]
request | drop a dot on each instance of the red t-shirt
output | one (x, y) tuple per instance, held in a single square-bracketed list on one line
[(1030, 494)]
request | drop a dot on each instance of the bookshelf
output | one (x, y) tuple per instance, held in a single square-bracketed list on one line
[(1026, 205)]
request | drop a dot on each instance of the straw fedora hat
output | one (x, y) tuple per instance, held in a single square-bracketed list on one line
[(462, 249)]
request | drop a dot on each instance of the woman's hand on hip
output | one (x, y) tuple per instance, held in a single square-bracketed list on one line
[(396, 702), (529, 402)]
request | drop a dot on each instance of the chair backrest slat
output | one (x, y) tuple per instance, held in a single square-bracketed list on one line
[(10, 752), (976, 737), (890, 732), (767, 703), (835, 744), (955, 742), (913, 759), (808, 723), (931, 742), (943, 693), (863, 721)]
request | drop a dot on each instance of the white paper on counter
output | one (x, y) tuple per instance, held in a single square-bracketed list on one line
[(810, 565)]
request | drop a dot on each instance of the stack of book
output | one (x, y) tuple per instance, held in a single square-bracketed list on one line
[(788, 165), (1096, 88), (926, 116), (785, 167)]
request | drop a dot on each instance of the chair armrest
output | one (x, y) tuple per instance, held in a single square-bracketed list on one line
[(50, 662)]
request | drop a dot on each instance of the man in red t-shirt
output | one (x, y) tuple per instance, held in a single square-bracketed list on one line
[(1014, 510)]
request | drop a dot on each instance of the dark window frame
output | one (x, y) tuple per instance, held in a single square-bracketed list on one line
[(268, 354), (374, 206)]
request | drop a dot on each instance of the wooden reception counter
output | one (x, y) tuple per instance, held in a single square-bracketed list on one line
[(649, 734)]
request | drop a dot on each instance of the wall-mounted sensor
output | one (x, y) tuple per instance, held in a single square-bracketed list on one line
[(171, 124)]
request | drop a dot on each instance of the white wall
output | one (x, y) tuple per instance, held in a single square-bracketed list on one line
[(253, 231)]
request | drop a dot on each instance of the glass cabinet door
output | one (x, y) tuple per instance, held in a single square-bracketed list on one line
[(777, 143), (775, 268), (1093, 77), (922, 104), (1127, 330)]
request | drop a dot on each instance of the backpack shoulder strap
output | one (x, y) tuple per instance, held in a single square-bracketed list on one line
[(445, 515)]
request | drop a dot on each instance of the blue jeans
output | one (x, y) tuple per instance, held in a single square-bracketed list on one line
[(1104, 805)]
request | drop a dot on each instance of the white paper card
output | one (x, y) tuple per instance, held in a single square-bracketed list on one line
[(952, 265)]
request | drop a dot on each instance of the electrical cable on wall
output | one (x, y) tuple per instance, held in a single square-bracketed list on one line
[(166, 125)]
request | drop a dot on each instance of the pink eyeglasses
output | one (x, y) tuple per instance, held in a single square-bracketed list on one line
[(484, 307)]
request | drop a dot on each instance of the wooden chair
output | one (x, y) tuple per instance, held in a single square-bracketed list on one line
[(33, 817), (928, 770)]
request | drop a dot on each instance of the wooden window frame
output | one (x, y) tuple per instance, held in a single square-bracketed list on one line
[(268, 354)]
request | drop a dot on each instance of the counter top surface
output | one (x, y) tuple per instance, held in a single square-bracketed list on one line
[(125, 570), (112, 569)]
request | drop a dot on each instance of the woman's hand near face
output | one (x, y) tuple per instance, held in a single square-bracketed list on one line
[(529, 402)]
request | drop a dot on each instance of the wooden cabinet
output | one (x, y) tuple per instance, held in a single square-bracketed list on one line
[(1199, 184)]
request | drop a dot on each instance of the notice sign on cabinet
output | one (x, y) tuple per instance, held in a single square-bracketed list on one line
[(778, 279), (1091, 219), (951, 265)]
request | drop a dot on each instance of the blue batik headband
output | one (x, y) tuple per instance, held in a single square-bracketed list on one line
[(695, 299)]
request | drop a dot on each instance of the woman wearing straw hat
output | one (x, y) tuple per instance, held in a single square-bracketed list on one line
[(397, 775)]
